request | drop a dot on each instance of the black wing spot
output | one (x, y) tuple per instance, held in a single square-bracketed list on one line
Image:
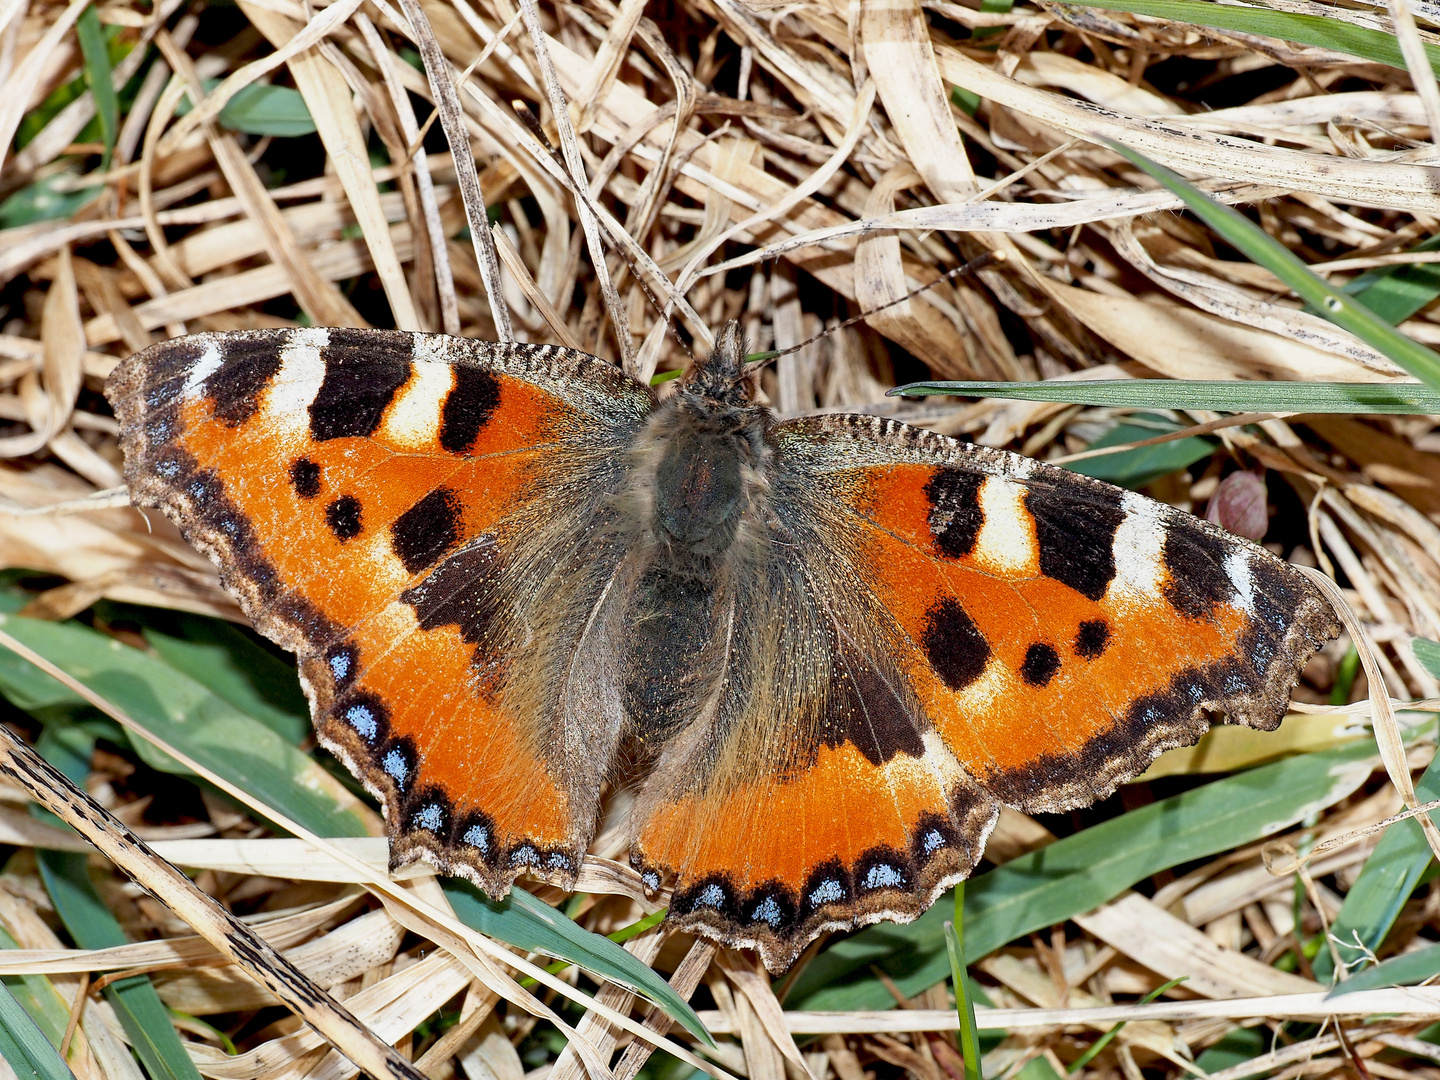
[(305, 478), (363, 371), (1041, 664), (235, 387), (1195, 565), (955, 513), (954, 645), (468, 407), (1076, 533), (864, 710), (343, 517), (422, 534), (1092, 639), (460, 592)]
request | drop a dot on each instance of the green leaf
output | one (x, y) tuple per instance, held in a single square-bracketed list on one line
[(1319, 30), (141, 1012), (22, 1045), (1257, 246), (181, 712), (1080, 872), (1427, 652), (1390, 875), (100, 78), (1235, 1047), (262, 109), (1038, 1068), (1407, 969), (1397, 292), (234, 667), (965, 100), (1138, 466), (47, 199), (528, 923), (1216, 395)]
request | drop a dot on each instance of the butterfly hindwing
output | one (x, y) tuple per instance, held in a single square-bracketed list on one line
[(373, 499)]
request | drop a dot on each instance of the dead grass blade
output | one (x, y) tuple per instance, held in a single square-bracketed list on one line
[(453, 121)]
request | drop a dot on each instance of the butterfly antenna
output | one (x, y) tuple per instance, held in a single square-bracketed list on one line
[(760, 360)]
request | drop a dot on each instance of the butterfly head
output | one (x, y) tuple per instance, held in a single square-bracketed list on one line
[(721, 378)]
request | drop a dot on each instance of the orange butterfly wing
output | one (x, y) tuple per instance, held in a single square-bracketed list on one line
[(940, 628), (372, 498)]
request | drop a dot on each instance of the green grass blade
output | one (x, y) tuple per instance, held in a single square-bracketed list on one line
[(1078, 873), (235, 668), (964, 1003), (1390, 875), (1427, 652), (141, 1012), (22, 1046), (526, 922), (1099, 1044), (1404, 970), (37, 997), (182, 712), (1252, 241), (1397, 292), (1317, 30), (1214, 395), (100, 78), (91, 926)]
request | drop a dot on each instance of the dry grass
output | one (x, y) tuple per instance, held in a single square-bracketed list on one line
[(789, 164)]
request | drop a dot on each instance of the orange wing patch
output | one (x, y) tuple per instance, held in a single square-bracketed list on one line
[(845, 842), (359, 491)]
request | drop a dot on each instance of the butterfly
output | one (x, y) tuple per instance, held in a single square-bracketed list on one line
[(821, 652)]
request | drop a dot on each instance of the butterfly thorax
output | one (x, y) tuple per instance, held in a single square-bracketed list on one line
[(706, 449)]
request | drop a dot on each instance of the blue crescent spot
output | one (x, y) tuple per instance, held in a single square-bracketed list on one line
[(340, 665), (651, 880), (525, 855), (557, 860), (767, 911), (827, 892), (883, 875), (168, 469), (362, 720), (478, 836), (710, 896), (933, 839), (429, 817), (396, 765)]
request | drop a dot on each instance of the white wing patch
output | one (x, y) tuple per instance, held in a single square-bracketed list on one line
[(1138, 549), (302, 371), (1007, 543), (413, 419), (210, 360)]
